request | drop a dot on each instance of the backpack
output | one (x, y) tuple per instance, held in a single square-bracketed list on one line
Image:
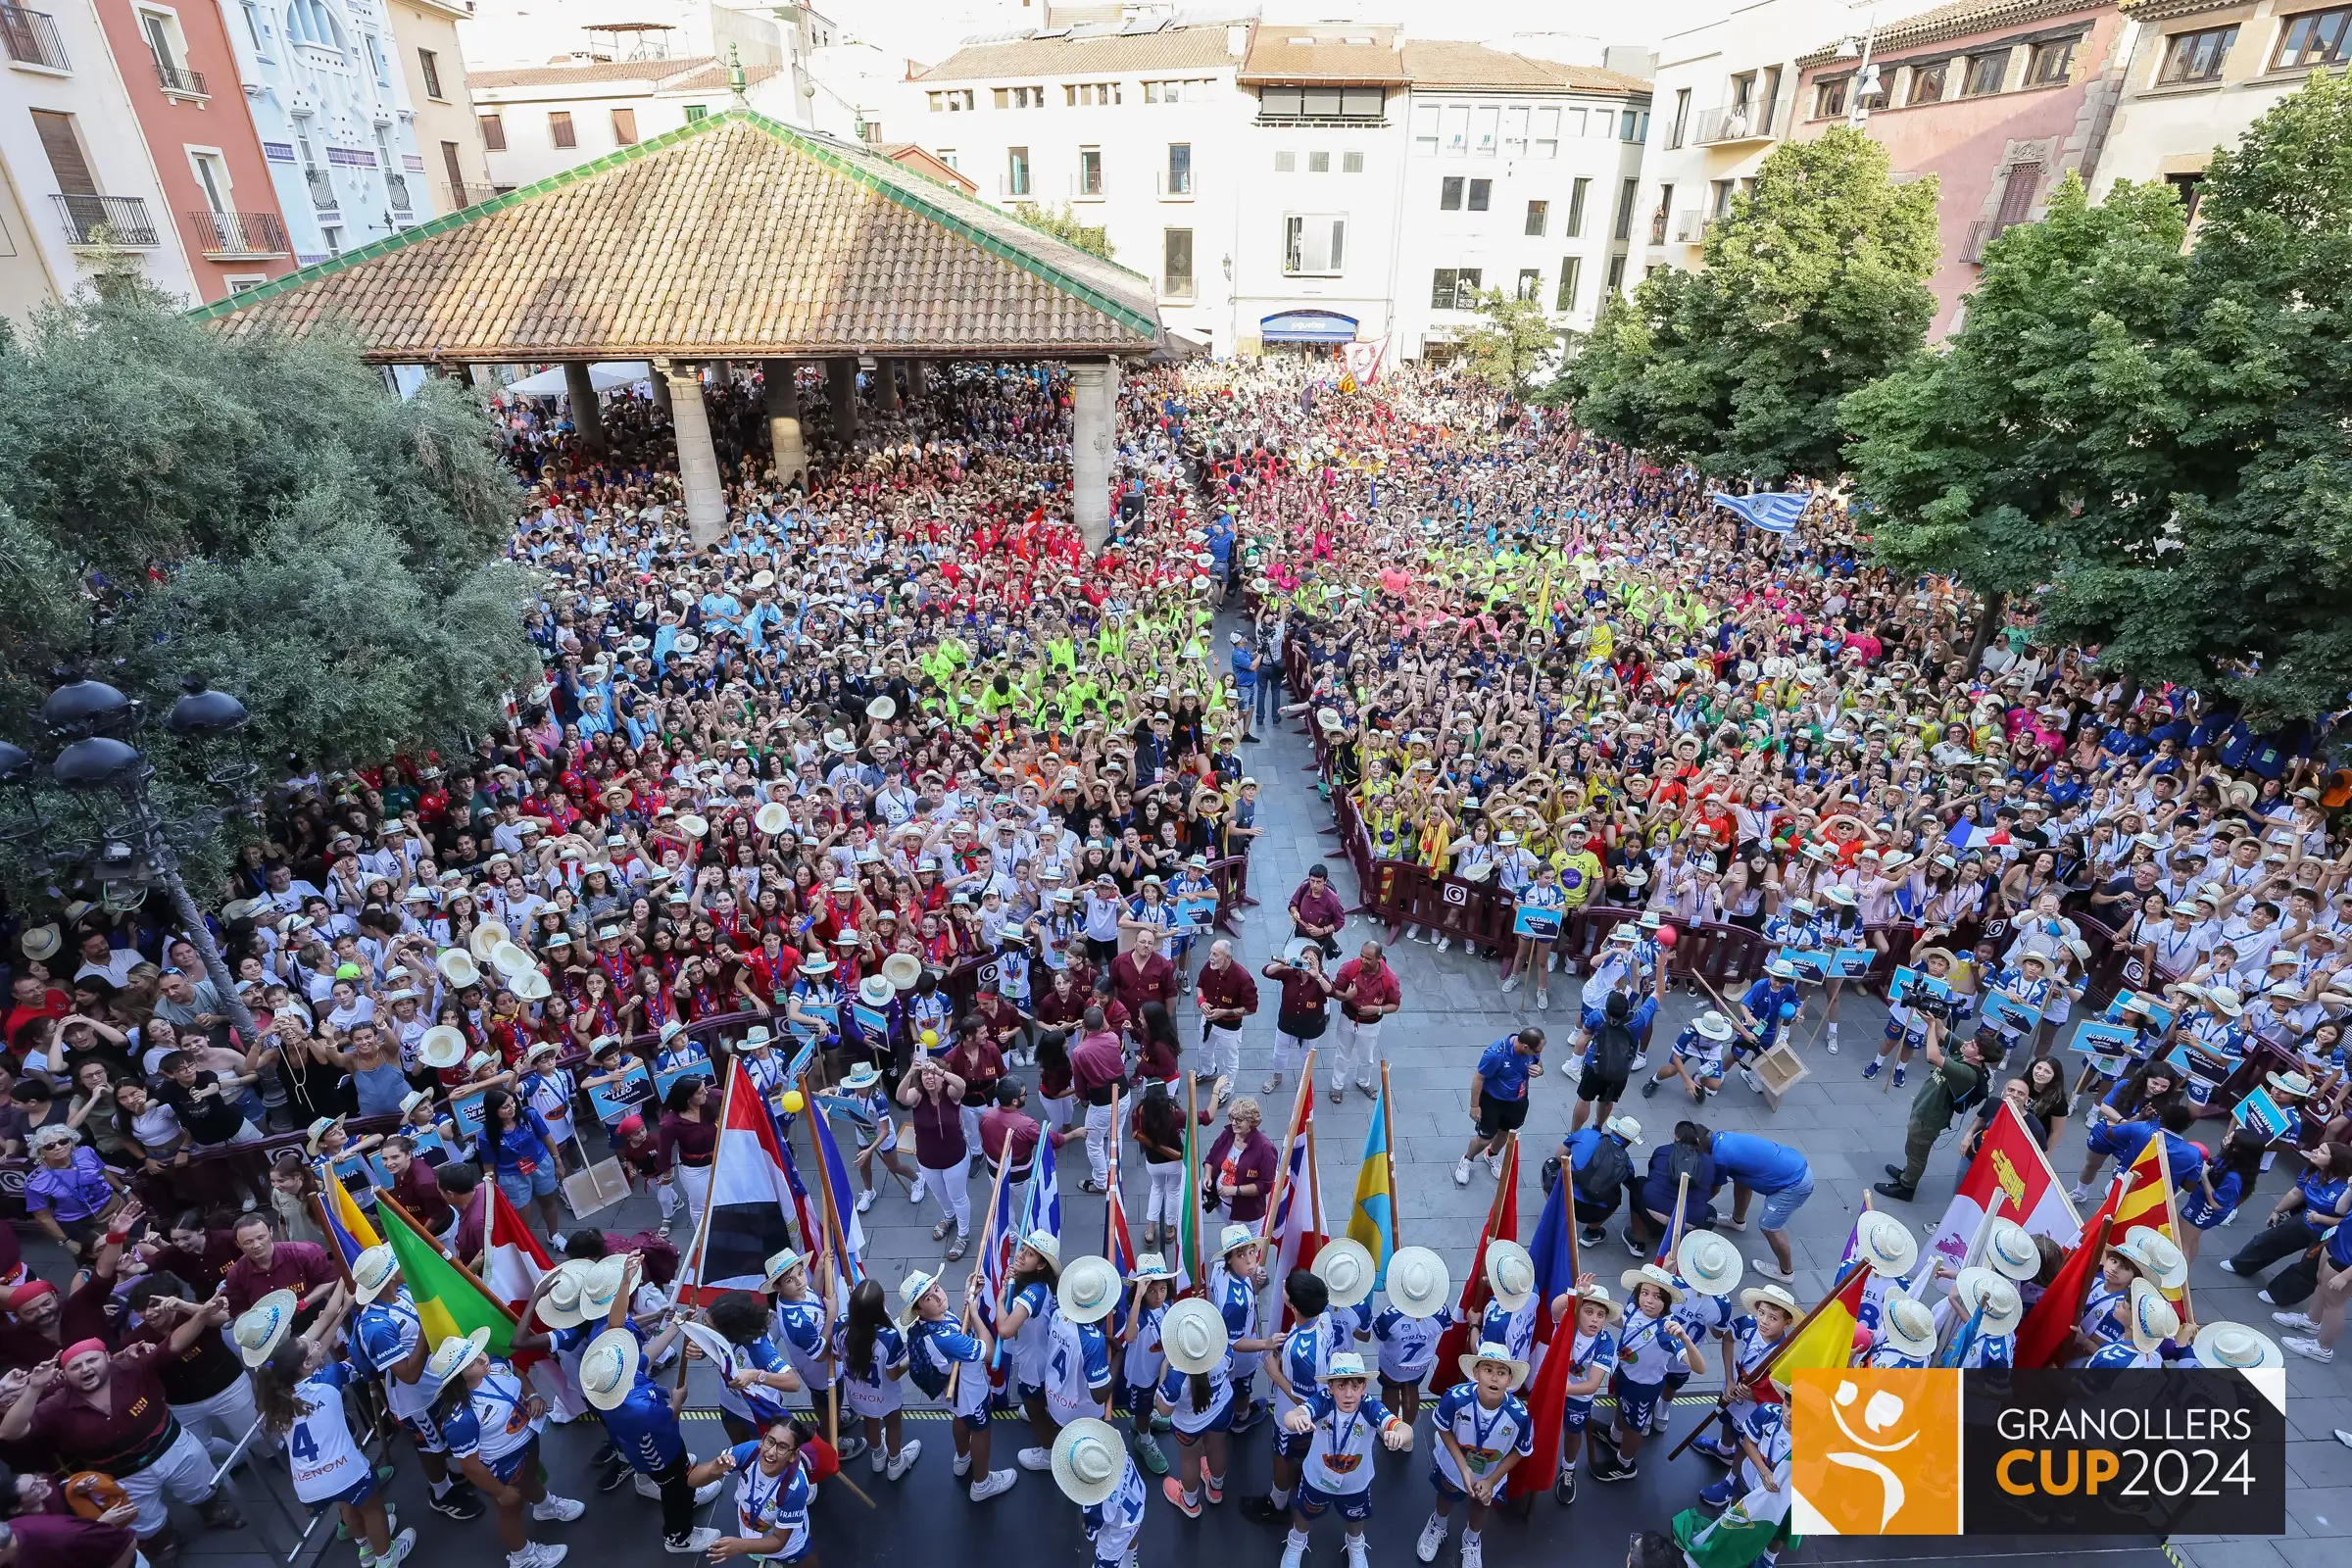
[(1613, 1048), (1606, 1172)]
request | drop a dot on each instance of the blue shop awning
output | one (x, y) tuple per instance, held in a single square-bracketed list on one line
[(1307, 327)]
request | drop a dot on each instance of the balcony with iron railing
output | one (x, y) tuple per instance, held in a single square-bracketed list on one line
[(1755, 120), (106, 220), (322, 189), (1691, 225), (1176, 184), (180, 81), (225, 235), (1981, 234), (396, 186), (32, 38)]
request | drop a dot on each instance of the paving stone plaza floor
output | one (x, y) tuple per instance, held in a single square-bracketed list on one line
[(1452, 1009)]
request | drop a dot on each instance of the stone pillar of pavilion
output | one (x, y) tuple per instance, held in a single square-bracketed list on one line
[(660, 386), (587, 414), (886, 386), (841, 397), (1093, 391), (698, 458), (784, 419)]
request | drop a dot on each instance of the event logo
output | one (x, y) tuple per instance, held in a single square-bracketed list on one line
[(1877, 1452), (2150, 1452)]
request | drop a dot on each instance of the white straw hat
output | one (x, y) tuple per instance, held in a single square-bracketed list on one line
[(1347, 1270), (609, 1367), (1088, 1290), (1090, 1460), (1193, 1336), (261, 1326), (1886, 1243), (1418, 1282), (1510, 1274), (1711, 1264)]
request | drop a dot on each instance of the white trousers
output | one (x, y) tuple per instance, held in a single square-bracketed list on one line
[(1098, 1134), (222, 1420), (1358, 1055), (1290, 1052), (694, 1185), (953, 1192), (1166, 1202), (1224, 1052), (184, 1472)]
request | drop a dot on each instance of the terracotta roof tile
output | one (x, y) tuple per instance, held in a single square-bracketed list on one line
[(1444, 62), (1171, 49), (733, 236), (1274, 58), (594, 72)]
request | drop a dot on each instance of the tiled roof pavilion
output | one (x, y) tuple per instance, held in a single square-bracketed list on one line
[(735, 238)]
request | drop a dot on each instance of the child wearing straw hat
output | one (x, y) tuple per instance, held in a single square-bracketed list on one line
[(492, 1428), (1232, 1283), (1344, 1427), (298, 1385), (1483, 1431), (1592, 1352), (1143, 1360), (871, 1352), (1905, 1340), (938, 1346), (1093, 1470), (387, 1341), (1078, 1357), (1196, 1394), (1649, 1344), (1768, 1311), (1709, 1269), (1409, 1326), (641, 1421), (2150, 1322), (1987, 1309), (800, 1319), (1322, 1330)]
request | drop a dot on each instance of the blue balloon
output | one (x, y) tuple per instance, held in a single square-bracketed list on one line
[(1788, 1010)]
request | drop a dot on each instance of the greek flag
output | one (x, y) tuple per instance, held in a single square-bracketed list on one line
[(1773, 511)]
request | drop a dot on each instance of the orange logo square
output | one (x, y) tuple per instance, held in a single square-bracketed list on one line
[(1875, 1452)]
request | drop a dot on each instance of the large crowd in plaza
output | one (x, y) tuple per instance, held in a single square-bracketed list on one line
[(938, 809)]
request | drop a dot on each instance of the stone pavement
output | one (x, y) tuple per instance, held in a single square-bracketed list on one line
[(1452, 1010)]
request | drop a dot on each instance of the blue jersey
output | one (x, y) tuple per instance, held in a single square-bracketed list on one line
[(935, 1347), (757, 1402), (1176, 1388), (644, 1430), (1486, 1436), (1408, 1346), (1588, 1353), (1307, 1351), (385, 1333), (1514, 1330), (494, 1421), (770, 1505)]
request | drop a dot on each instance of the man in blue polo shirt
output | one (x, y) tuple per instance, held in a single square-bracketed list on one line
[(1760, 1165), (1498, 1098)]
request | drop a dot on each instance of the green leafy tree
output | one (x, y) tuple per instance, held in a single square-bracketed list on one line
[(259, 511), (1814, 284), (1064, 226), (1513, 345), (2246, 593), (2039, 422)]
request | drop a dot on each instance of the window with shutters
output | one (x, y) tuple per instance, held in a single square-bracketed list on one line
[(625, 128), (1314, 244), (1926, 83), (2020, 185), (494, 132), (1576, 208), (429, 65), (1985, 73), (559, 129), (2050, 64)]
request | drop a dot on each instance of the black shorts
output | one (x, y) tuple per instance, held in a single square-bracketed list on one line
[(1592, 1087), (1499, 1116)]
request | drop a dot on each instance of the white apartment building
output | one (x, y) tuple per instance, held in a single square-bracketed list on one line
[(1138, 128), (1512, 172), (1724, 96), (511, 33), (539, 120)]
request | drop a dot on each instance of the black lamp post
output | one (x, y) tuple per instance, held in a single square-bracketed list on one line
[(126, 846)]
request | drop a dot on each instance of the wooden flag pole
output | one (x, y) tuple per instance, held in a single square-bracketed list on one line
[(1282, 1169), (833, 1243), (988, 1231), (2172, 1214), (1387, 1138), (1791, 1338), (470, 1276)]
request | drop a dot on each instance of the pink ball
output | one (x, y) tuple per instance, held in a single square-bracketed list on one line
[(1668, 936)]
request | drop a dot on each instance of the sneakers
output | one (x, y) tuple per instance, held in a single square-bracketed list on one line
[(1461, 1171), (1831, 1046), (852, 1443), (693, 1542), (1900, 1073), (644, 1486), (1649, 1087), (1872, 1072), (1894, 1190), (1432, 1536), (398, 1551), (1445, 944), (1358, 1552), (1772, 1270), (999, 1483), (1592, 1236), (1510, 983), (1543, 1001), (1474, 1553), (1613, 1470), (554, 1510), (1494, 1166), (1748, 1076), (1631, 1245), (903, 1460), (1721, 1493), (1639, 1062), (1212, 1489), (1736, 1224), (460, 1503), (916, 1193), (536, 1554), (1173, 1489), (1037, 1458), (2225, 1265), (865, 1200), (1293, 1551), (2308, 1350), (1259, 1408), (1563, 1490), (1150, 1456), (1552, 961), (2297, 1320), (615, 1476), (705, 1492)]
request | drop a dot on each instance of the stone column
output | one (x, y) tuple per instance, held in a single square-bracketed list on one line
[(886, 386), (784, 419), (697, 459), (1093, 386), (916, 380), (660, 386), (840, 395), (587, 414)]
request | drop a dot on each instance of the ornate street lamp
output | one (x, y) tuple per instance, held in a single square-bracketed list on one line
[(125, 845)]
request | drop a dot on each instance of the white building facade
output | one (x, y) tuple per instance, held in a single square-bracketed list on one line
[(539, 120), (1511, 172), (329, 99)]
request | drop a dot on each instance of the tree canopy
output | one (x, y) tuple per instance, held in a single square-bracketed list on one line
[(1064, 226), (1814, 284), (1511, 346), (2153, 441), (261, 512)]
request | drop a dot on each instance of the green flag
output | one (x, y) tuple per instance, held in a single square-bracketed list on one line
[(449, 1303)]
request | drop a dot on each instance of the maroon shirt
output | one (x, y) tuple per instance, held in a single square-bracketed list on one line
[(82, 1315), (130, 1434), (1230, 988), (418, 1191), (1359, 988), (1001, 1125), (1153, 980), (193, 1375), (202, 1270), (1324, 909), (297, 1266), (55, 1537)]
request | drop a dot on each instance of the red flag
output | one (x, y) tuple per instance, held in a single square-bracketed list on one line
[(2048, 1333), (1502, 1221), (513, 1263)]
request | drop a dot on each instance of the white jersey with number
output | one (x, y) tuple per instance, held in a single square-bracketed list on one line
[(325, 1460)]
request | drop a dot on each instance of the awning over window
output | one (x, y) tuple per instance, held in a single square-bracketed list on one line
[(1307, 327)]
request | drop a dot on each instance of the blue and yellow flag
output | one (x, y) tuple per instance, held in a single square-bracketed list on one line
[(346, 1226), (1373, 1220)]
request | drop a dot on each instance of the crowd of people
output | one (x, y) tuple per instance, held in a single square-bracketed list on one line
[(902, 792)]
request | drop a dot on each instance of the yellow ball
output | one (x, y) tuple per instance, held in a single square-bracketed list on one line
[(929, 1039), (793, 1101)]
